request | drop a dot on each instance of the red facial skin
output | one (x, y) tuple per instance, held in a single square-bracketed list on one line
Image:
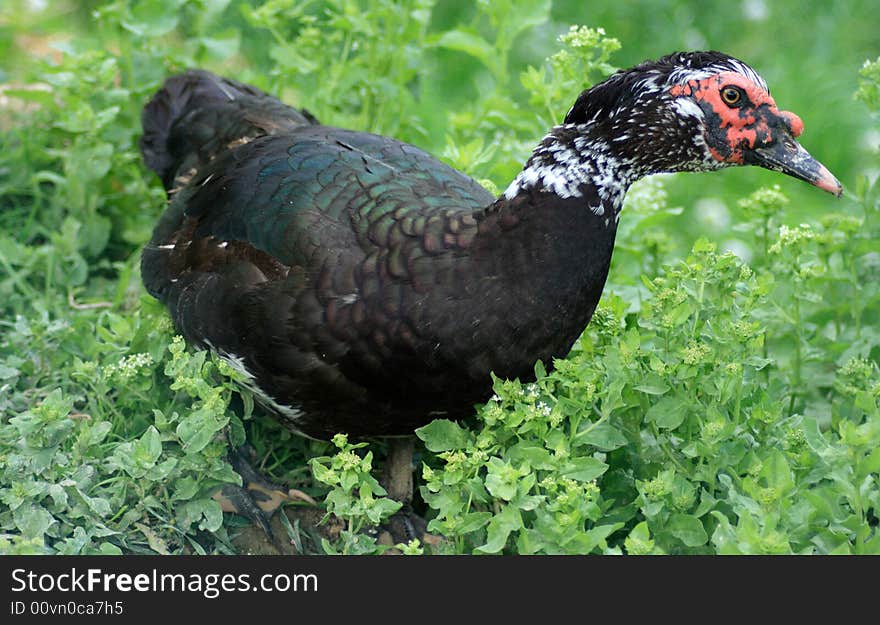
[(743, 126)]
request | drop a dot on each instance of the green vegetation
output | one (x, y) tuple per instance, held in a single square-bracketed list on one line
[(713, 405)]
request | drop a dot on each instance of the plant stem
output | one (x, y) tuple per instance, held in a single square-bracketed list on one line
[(700, 290), (796, 382)]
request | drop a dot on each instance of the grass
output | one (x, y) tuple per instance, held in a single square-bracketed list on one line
[(716, 403)]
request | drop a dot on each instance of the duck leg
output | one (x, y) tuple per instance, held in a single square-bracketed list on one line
[(257, 498), (404, 525), (399, 469)]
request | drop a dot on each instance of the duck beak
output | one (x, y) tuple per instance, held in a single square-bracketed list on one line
[(789, 157)]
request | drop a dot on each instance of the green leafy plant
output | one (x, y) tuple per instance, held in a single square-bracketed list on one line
[(355, 496), (88, 468), (713, 405), (670, 432)]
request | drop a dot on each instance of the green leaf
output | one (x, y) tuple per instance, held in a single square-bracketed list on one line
[(639, 541), (777, 472), (148, 448), (595, 536), (501, 480), (443, 435), (653, 384), (469, 43), (237, 434), (153, 18), (206, 512), (472, 521), (184, 488), (383, 508), (870, 463), (287, 56), (153, 539), (99, 506), (603, 436), (197, 430), (109, 549), (323, 473), (540, 370), (222, 45), (7, 372), (94, 235), (680, 313), (584, 469), (758, 362), (688, 529), (707, 503), (44, 97), (224, 473), (499, 529), (32, 520), (94, 434), (668, 413), (536, 455), (526, 15)]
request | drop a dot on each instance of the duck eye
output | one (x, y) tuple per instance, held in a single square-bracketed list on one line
[(731, 96)]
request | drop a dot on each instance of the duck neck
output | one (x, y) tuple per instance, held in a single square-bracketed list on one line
[(580, 162), (546, 245)]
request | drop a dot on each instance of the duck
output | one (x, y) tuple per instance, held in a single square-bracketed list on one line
[(360, 285)]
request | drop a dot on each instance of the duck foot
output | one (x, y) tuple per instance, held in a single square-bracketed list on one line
[(258, 498), (405, 526)]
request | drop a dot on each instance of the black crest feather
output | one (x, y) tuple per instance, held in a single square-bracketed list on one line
[(618, 90)]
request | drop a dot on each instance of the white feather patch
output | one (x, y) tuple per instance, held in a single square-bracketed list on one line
[(291, 413), (686, 107)]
